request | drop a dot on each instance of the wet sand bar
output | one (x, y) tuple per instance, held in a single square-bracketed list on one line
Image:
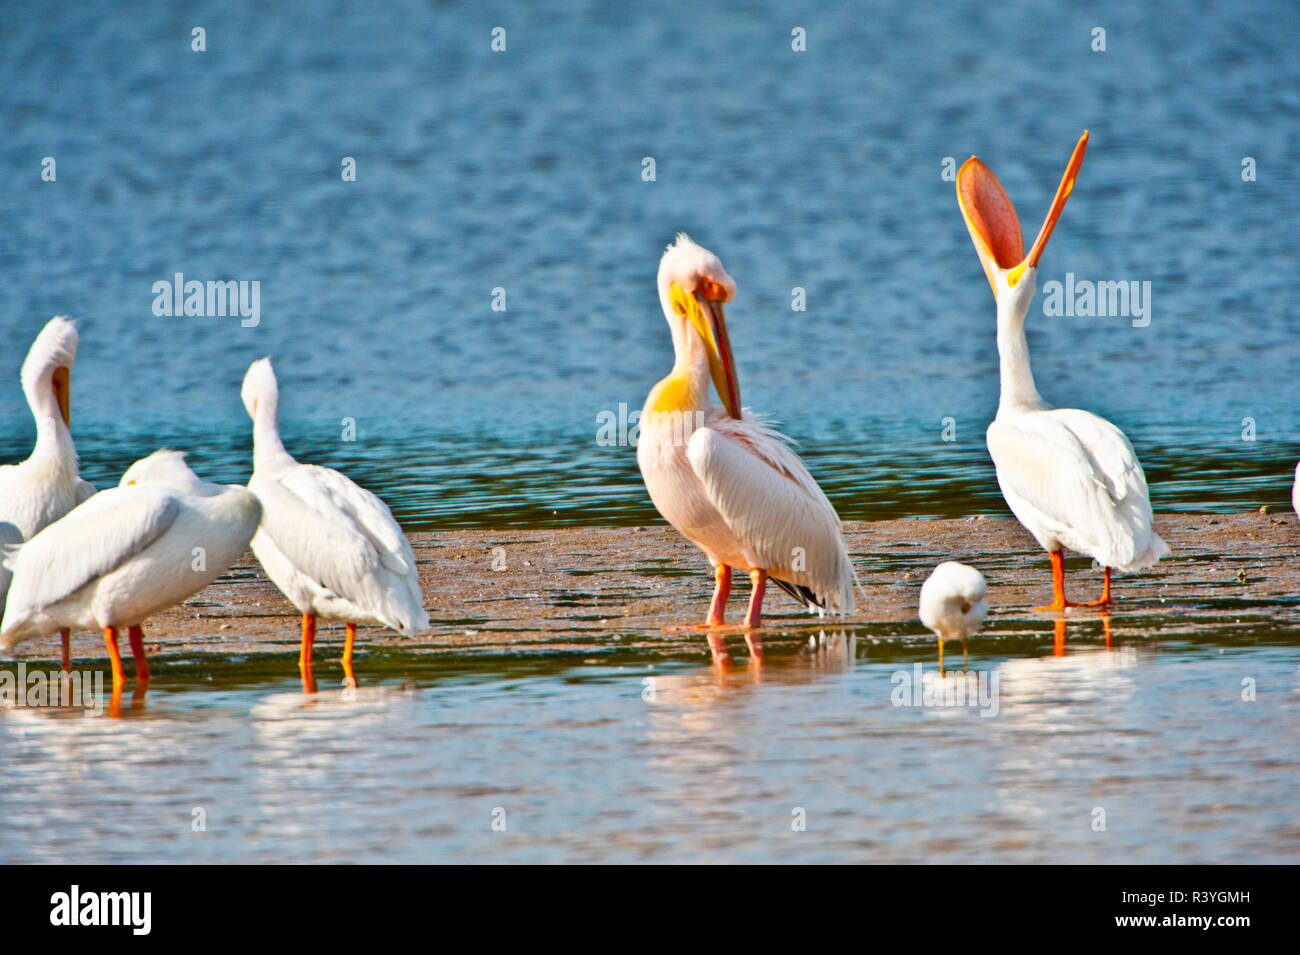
[(552, 590)]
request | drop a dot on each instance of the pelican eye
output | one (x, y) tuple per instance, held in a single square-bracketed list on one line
[(712, 290)]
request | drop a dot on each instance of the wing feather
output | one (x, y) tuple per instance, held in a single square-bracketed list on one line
[(367, 513), (315, 535), (771, 503), (344, 539), (92, 540), (1073, 477)]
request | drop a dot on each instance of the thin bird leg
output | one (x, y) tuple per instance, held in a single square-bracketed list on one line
[(66, 634), (308, 638), (1058, 582), (114, 658), (1104, 599), (754, 618), (348, 679), (718, 609), (136, 636)]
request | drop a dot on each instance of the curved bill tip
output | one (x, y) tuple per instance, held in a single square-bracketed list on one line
[(1058, 203)]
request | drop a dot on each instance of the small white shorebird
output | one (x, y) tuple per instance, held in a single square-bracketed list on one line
[(728, 482), (332, 548), (952, 602), (41, 489), (1070, 477), (129, 552)]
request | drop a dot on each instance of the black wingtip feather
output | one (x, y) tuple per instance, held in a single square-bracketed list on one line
[(800, 593)]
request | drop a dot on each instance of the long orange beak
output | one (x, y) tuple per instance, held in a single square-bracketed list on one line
[(722, 364), (60, 381), (703, 309), (992, 221)]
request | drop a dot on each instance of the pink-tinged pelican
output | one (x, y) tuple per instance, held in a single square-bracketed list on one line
[(1071, 478), (728, 482)]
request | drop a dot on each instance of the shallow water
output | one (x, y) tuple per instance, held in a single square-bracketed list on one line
[(590, 762), (522, 171)]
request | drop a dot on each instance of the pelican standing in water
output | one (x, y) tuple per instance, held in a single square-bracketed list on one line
[(41, 489), (729, 483), (952, 603), (130, 552), (1070, 477), (332, 548)]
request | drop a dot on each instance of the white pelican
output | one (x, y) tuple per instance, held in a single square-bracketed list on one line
[(952, 602), (1070, 477), (129, 552), (47, 485), (332, 548), (728, 482)]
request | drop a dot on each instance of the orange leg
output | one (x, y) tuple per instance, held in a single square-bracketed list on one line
[(114, 658), (1104, 600), (1058, 638), (308, 639), (718, 609), (1058, 582), (754, 618), (348, 679), (66, 634), (136, 636)]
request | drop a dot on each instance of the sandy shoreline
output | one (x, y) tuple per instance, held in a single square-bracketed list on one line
[(557, 589)]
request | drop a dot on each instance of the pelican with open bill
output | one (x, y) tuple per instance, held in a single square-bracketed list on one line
[(1070, 477)]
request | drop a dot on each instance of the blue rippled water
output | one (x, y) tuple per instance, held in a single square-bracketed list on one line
[(522, 170)]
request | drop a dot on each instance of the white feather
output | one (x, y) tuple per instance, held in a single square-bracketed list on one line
[(46, 486), (781, 520), (952, 600), (126, 554), (333, 548), (1073, 480)]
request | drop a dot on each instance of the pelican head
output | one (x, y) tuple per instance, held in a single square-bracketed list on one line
[(693, 286), (164, 467), (952, 601), (995, 229), (47, 369), (260, 390)]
